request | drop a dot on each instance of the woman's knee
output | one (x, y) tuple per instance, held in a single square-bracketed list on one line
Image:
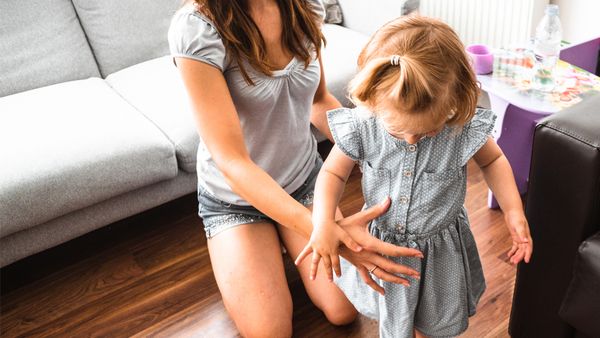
[(340, 314), (268, 328)]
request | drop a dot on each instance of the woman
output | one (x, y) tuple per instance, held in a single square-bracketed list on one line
[(253, 73)]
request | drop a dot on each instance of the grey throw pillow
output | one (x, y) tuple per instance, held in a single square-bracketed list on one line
[(333, 12), (410, 6)]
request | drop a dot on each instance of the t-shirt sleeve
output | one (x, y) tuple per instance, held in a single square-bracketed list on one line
[(346, 134), (193, 36), (476, 132)]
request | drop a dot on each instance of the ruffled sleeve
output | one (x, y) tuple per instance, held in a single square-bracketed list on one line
[(345, 130), (192, 35), (476, 132)]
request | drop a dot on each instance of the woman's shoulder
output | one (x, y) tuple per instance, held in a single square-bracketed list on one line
[(189, 18), (192, 34)]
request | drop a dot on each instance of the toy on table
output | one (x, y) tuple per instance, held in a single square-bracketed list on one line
[(515, 68)]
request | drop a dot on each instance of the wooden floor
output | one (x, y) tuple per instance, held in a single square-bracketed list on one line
[(150, 276)]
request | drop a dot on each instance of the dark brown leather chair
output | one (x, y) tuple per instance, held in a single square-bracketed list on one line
[(563, 209)]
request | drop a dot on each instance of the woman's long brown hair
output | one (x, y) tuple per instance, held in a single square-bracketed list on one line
[(243, 40)]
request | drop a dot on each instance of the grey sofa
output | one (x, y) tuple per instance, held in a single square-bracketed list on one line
[(94, 121)]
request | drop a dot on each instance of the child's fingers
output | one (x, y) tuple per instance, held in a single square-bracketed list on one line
[(335, 262), (512, 250), (305, 252), (528, 252), (314, 265), (513, 256), (518, 256), (327, 266), (366, 277)]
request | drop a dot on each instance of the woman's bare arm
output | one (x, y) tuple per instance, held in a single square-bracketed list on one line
[(219, 126), (323, 102)]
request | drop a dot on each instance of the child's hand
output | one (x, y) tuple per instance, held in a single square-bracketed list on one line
[(522, 244), (324, 244)]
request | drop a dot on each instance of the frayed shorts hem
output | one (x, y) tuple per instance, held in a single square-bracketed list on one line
[(219, 216)]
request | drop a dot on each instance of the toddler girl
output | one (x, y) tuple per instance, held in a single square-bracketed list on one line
[(415, 127)]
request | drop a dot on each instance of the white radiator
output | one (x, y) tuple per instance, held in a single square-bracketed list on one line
[(497, 23)]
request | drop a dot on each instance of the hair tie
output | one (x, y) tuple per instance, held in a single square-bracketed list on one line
[(395, 60)]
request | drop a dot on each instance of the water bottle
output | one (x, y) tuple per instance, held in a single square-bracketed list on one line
[(546, 47)]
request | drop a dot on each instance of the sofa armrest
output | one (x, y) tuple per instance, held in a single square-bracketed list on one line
[(380, 12), (581, 305), (563, 209)]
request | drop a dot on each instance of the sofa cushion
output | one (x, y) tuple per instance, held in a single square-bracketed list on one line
[(339, 58), (123, 33), (71, 145), (41, 43), (156, 90), (581, 305), (380, 12)]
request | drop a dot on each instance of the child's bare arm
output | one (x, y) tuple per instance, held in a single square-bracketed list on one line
[(330, 185), (327, 235), (499, 177)]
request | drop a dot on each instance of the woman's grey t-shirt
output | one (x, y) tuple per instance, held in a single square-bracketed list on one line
[(274, 112)]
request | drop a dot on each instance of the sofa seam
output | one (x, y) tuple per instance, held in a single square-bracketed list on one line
[(87, 40), (175, 146), (571, 134)]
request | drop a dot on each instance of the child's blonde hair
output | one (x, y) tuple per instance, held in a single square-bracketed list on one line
[(419, 66)]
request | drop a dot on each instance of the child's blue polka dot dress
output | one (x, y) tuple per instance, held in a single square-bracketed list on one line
[(426, 183)]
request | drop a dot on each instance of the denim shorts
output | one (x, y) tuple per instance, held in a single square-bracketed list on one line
[(219, 216)]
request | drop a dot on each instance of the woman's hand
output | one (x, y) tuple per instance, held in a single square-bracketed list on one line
[(371, 263), (522, 244), (371, 259), (357, 227)]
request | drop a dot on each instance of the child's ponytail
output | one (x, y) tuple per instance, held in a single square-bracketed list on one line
[(369, 81), (400, 76), (412, 88)]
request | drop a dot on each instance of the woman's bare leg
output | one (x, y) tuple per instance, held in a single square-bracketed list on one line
[(323, 293), (248, 266)]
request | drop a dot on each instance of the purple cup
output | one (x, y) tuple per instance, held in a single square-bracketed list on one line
[(482, 58)]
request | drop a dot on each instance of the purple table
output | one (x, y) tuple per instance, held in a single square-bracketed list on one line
[(519, 112), (517, 116)]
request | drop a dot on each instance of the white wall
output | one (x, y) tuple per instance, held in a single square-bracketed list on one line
[(580, 19), (366, 16)]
